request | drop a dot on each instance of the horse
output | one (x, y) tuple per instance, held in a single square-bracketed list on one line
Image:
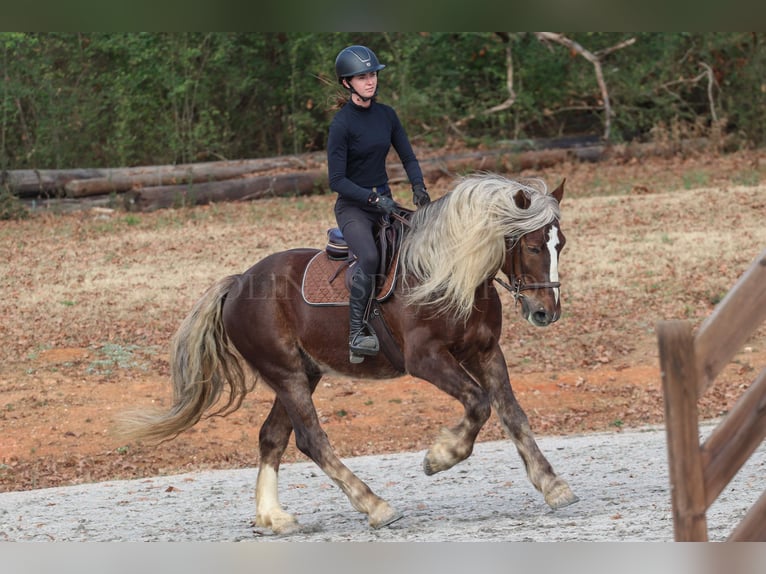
[(444, 313)]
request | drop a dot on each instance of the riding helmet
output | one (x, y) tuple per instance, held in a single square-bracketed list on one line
[(356, 60)]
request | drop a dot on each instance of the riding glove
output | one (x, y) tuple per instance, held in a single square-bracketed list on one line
[(420, 196), (382, 202)]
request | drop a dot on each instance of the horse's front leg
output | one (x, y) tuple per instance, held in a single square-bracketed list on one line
[(440, 368), (555, 490)]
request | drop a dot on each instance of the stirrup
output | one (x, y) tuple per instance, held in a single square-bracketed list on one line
[(358, 351)]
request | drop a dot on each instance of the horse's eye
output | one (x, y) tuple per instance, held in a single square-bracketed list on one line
[(534, 249)]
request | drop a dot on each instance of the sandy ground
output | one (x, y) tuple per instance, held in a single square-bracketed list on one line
[(621, 479)]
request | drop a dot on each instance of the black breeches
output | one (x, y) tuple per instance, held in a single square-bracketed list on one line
[(358, 228)]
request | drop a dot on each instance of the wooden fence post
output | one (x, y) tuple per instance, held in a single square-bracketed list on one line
[(678, 367)]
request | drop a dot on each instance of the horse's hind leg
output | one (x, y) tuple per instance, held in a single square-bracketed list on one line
[(555, 490), (294, 396), (272, 442)]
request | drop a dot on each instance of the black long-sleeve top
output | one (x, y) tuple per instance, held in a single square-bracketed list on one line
[(358, 142)]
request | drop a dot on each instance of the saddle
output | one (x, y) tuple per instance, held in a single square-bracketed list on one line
[(327, 277), (322, 284)]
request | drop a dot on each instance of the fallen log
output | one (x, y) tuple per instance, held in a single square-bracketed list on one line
[(243, 189), (511, 157), (59, 182), (183, 176), (496, 160), (76, 183), (44, 182), (155, 187), (315, 181)]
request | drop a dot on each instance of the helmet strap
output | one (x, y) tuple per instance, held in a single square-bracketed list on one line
[(352, 91)]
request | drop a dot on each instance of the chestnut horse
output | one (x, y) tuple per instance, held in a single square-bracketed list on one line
[(444, 313)]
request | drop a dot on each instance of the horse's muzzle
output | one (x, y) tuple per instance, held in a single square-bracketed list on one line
[(536, 313)]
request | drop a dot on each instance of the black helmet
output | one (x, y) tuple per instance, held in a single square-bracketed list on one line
[(356, 60)]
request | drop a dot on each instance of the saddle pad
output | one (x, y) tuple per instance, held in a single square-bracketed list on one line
[(324, 282)]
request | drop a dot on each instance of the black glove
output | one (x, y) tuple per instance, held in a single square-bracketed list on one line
[(382, 202), (420, 196)]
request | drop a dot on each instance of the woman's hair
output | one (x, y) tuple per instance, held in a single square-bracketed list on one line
[(340, 99)]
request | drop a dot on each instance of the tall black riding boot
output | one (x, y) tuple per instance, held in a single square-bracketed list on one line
[(359, 342)]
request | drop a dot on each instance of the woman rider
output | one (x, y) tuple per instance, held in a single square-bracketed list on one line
[(359, 139)]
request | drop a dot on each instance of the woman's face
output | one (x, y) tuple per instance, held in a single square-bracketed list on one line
[(365, 84)]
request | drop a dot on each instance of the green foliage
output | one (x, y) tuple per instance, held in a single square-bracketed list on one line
[(10, 206), (114, 99)]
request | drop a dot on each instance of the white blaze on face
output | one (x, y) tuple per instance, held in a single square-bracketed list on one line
[(553, 274)]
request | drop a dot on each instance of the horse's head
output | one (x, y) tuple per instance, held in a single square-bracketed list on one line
[(531, 264)]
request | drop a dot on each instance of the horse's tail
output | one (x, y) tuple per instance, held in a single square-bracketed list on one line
[(203, 363)]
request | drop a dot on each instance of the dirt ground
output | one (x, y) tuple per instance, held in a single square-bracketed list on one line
[(91, 299)]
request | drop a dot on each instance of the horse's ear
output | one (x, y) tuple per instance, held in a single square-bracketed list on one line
[(558, 193), (521, 199)]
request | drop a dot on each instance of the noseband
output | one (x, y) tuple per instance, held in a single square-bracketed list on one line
[(517, 284)]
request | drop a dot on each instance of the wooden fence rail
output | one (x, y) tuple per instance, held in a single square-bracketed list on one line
[(689, 364)]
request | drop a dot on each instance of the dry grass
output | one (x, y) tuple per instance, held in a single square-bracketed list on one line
[(86, 279)]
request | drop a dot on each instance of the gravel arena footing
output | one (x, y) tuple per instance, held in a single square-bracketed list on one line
[(621, 479)]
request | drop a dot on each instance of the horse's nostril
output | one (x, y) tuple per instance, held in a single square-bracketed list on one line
[(540, 317)]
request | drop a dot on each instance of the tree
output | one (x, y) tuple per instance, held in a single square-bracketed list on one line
[(126, 99)]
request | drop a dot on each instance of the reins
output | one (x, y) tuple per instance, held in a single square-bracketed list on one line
[(401, 219)]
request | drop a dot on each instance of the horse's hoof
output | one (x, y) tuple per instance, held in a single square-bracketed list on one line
[(384, 517), (282, 523), (396, 517), (446, 452), (564, 502), (427, 468), (560, 496)]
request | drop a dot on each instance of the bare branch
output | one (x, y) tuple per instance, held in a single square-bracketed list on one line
[(508, 84), (620, 46), (707, 73), (593, 59), (710, 83), (694, 80)]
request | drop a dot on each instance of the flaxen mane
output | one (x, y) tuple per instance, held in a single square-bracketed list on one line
[(458, 241)]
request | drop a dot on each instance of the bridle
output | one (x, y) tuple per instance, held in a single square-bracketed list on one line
[(516, 286), (517, 283)]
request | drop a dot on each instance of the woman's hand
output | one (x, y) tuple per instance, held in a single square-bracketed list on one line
[(420, 196), (382, 202)]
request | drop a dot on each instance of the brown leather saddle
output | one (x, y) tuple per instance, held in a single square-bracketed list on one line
[(327, 276)]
